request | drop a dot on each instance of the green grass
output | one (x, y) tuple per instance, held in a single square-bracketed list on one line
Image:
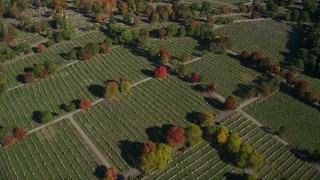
[(273, 39), (225, 71), (69, 84), (299, 119), (153, 103), (55, 152)]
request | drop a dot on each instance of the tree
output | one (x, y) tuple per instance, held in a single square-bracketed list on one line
[(7, 141), (255, 160), (291, 78), (85, 104), (255, 15), (164, 155), (160, 72), (20, 133), (29, 77), (123, 7), (45, 116), (194, 77), (205, 118), (44, 74), (111, 174), (136, 22), (154, 16), (212, 87), (312, 96), (206, 6), (101, 17), (69, 33), (14, 11), (301, 87), (245, 54), (222, 138), (193, 135), (84, 54), (38, 69), (245, 148), (265, 89), (186, 57), (234, 143), (126, 36), (274, 69), (149, 146), (51, 67), (41, 48), (295, 15), (111, 90), (305, 16), (231, 103), (162, 33), (175, 136), (148, 162), (124, 86), (165, 55)]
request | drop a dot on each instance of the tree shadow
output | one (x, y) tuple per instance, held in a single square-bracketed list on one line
[(96, 90), (147, 72), (100, 171), (199, 88), (64, 55), (76, 102), (193, 117), (20, 78), (233, 176), (36, 116), (131, 151), (158, 134), (63, 106), (27, 69), (215, 103), (245, 91)]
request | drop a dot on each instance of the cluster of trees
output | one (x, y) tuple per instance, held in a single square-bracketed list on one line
[(42, 116), (242, 154), (89, 50), (9, 135), (113, 89), (260, 62), (172, 30), (12, 9), (157, 156), (40, 71)]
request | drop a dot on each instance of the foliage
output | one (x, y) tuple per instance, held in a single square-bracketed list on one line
[(111, 90), (205, 118), (160, 72), (193, 135), (29, 77), (41, 48), (124, 86), (20, 133), (85, 104), (231, 102), (111, 174), (176, 136), (234, 143)]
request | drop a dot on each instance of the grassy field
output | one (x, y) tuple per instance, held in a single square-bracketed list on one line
[(272, 38), (179, 46), (69, 84), (151, 104), (56, 152), (225, 71), (299, 119), (204, 162)]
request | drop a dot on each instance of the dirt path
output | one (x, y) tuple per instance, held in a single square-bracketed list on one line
[(89, 143)]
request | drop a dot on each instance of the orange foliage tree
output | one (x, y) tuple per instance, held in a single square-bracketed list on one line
[(7, 141), (149, 146), (85, 104), (111, 174), (41, 48), (231, 103), (20, 133)]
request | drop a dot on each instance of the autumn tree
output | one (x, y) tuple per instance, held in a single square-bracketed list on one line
[(205, 118), (41, 48), (176, 136), (193, 135), (111, 174), (14, 11), (85, 104), (185, 57), (274, 69), (312, 96), (223, 134), (29, 77), (164, 155), (160, 72), (194, 77), (265, 89), (255, 15), (20, 133), (301, 87), (124, 86), (123, 7), (111, 90), (165, 55), (149, 146), (255, 161), (212, 87), (231, 103), (291, 78), (7, 141), (101, 17), (148, 162)]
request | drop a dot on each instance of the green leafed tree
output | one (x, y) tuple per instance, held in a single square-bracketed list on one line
[(164, 155), (193, 135), (111, 90), (148, 162)]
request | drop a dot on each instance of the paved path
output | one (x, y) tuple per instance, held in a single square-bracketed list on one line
[(89, 143), (252, 20), (247, 102), (133, 172), (193, 60)]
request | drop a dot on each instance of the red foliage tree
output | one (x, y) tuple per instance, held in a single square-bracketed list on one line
[(85, 104), (245, 54), (44, 74), (160, 72), (175, 136), (231, 103), (7, 141), (274, 69), (255, 15), (20, 133), (194, 77), (111, 174), (301, 87), (256, 55), (29, 77), (149, 146), (312, 96), (41, 48), (7, 37)]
